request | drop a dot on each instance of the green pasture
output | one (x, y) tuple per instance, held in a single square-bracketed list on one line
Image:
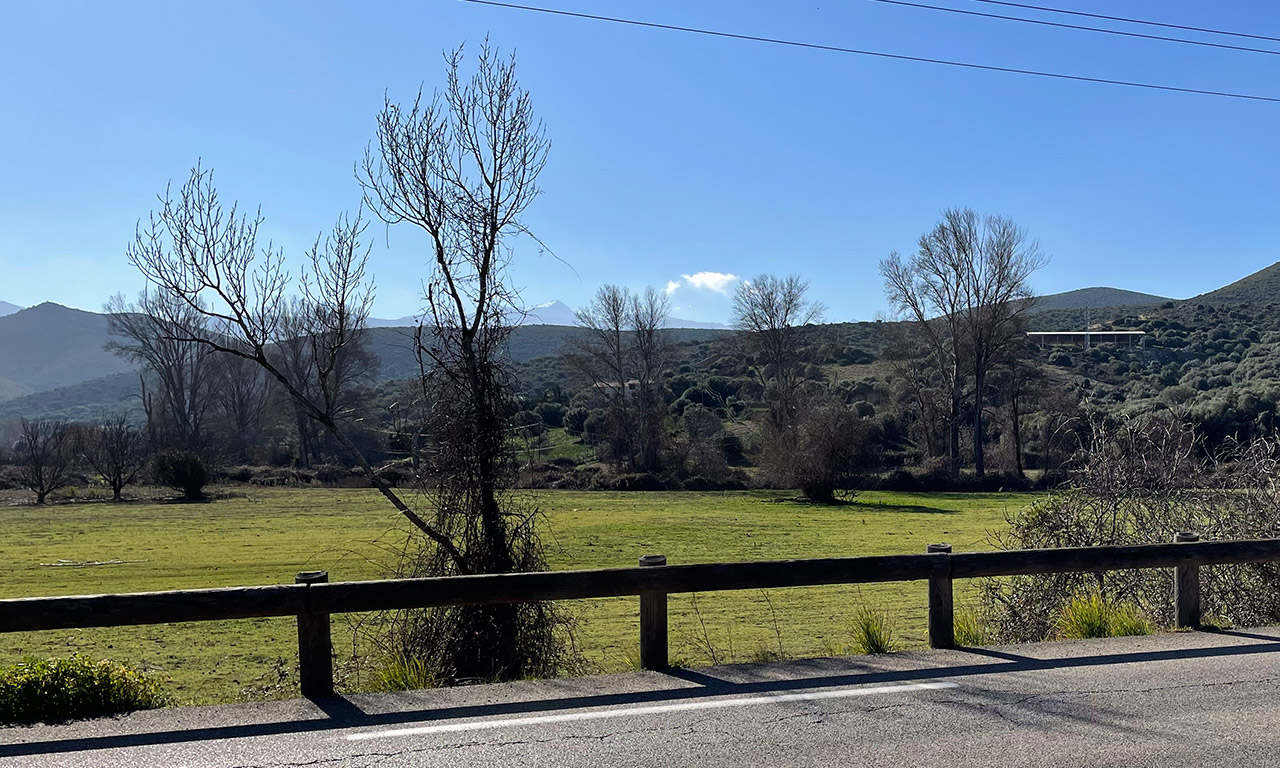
[(264, 536)]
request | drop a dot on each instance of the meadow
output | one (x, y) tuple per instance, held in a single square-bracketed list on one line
[(251, 536)]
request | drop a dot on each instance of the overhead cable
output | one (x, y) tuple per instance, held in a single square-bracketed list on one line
[(1128, 20), (1081, 27), (879, 54)]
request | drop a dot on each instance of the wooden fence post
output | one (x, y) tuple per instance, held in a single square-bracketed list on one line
[(942, 628), (1186, 588), (315, 648), (653, 621)]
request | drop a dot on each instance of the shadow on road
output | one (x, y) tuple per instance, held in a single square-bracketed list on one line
[(340, 712)]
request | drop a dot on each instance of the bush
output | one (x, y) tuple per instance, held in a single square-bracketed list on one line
[(574, 421), (552, 414), (183, 471), (872, 631), (1139, 480), (1092, 615), (331, 474), (52, 690)]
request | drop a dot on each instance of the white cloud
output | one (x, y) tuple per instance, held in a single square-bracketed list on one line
[(711, 281), (672, 285)]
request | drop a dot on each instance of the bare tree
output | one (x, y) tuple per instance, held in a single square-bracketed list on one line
[(302, 356), (832, 445), (178, 372), (624, 352), (769, 313), (462, 166), (967, 290), (922, 392), (241, 394), (233, 301), (116, 450), (44, 455), (1018, 383)]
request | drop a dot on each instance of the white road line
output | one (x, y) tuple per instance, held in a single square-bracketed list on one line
[(652, 710)]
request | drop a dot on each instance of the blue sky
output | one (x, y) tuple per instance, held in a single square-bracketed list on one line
[(672, 154)]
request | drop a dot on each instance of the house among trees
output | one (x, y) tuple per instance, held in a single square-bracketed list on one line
[(608, 387)]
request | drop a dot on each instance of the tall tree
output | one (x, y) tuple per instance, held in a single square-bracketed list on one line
[(967, 289), (462, 166), (178, 381), (624, 353), (242, 392), (769, 312)]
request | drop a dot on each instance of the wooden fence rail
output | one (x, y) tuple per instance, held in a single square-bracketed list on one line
[(312, 598)]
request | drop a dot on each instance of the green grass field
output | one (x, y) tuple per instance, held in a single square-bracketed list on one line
[(264, 536)]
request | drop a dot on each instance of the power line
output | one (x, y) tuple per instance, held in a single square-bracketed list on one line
[(1081, 27), (878, 54), (1129, 20)]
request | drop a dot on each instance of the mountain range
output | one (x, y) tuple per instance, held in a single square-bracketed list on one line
[(52, 359), (551, 313)]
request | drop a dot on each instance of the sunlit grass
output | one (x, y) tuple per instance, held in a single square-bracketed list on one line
[(265, 536)]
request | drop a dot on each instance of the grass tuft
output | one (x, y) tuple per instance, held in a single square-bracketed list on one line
[(1092, 615), (970, 629), (403, 674), (872, 631), (53, 690)]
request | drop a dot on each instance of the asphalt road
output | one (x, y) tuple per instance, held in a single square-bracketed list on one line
[(1187, 699)]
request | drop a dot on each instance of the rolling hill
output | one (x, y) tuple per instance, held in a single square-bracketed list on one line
[(8, 309), (1092, 298), (1261, 287)]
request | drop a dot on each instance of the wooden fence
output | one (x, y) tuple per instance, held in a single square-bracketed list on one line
[(312, 598)]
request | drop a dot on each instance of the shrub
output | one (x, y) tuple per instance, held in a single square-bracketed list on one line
[(574, 420), (51, 690), (1091, 615), (331, 474), (1139, 480), (552, 414), (240, 474), (183, 471), (872, 631)]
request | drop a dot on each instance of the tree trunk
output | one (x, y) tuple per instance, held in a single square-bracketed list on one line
[(979, 384), (1016, 413), (953, 445)]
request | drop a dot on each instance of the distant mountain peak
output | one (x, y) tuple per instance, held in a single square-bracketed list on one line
[(8, 309), (1096, 298)]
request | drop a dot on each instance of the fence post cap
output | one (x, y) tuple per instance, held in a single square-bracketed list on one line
[(648, 561), (311, 577), (1183, 537)]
